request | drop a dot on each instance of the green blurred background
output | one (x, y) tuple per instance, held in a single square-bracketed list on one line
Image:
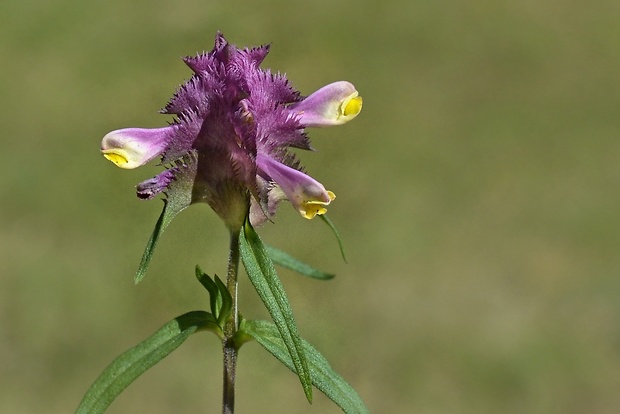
[(478, 198)]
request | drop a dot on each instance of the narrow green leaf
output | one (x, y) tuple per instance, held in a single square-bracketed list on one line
[(263, 276), (178, 198), (167, 214), (215, 296), (335, 231), (284, 259), (131, 364), (322, 374), (226, 301)]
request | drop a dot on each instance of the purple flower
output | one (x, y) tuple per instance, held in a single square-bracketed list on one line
[(229, 143)]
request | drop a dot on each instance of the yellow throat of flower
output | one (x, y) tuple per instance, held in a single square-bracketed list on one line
[(116, 157), (311, 208), (351, 106)]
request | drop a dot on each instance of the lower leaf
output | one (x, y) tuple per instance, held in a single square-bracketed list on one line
[(130, 365), (321, 373)]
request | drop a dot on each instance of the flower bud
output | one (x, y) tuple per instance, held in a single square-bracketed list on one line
[(133, 147), (333, 104)]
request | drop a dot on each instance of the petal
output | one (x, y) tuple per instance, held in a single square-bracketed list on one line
[(306, 194), (333, 104), (132, 147)]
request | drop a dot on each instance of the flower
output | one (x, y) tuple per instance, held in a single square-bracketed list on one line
[(132, 147), (229, 142), (334, 104)]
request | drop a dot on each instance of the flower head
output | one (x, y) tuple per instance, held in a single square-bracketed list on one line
[(229, 143)]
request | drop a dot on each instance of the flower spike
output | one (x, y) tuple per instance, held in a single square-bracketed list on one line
[(229, 144)]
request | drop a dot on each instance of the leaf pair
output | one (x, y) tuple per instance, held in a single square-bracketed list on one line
[(134, 362), (281, 339)]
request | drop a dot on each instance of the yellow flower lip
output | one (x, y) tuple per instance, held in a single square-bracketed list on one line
[(351, 106), (311, 208), (131, 148), (116, 157)]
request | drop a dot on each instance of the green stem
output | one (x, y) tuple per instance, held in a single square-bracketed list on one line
[(230, 328)]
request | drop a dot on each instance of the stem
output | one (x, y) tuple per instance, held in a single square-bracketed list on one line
[(230, 328)]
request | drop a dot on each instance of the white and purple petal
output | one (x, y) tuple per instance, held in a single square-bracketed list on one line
[(307, 195), (333, 104), (133, 147)]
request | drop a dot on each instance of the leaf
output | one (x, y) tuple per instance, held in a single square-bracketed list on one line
[(263, 276), (220, 299), (227, 301), (178, 198), (215, 296), (335, 231), (283, 259), (131, 364), (169, 212), (322, 374)]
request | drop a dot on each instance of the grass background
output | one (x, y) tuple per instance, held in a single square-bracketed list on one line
[(478, 197)]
